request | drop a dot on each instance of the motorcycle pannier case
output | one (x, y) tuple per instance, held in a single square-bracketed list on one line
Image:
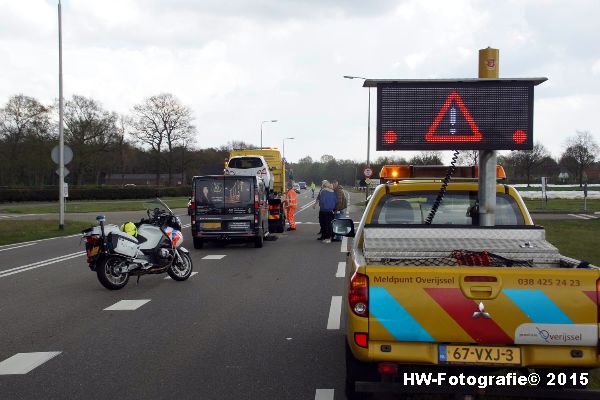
[(123, 244)]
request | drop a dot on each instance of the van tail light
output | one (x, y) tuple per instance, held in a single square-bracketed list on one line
[(387, 368), (359, 294), (256, 203)]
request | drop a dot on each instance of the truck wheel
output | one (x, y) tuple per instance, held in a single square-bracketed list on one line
[(198, 243), (357, 371)]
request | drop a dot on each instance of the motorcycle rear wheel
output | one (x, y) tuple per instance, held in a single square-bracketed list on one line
[(181, 271), (107, 275)]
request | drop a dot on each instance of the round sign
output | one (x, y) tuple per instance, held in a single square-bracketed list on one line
[(68, 154), (368, 172)]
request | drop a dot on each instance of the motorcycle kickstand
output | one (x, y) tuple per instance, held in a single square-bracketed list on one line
[(138, 280)]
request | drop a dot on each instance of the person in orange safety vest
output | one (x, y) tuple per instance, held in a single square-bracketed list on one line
[(290, 205)]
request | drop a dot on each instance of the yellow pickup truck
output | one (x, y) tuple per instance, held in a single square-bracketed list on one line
[(444, 293)]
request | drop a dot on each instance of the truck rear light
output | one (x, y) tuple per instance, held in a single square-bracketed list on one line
[(386, 368), (598, 304), (361, 339), (359, 294), (481, 279)]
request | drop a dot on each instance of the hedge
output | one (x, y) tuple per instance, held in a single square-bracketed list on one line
[(87, 193)]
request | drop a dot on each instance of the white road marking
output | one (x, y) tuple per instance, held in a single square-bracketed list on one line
[(335, 312), (41, 240), (17, 247), (304, 207), (341, 271), (22, 363), (578, 216), (193, 273), (344, 244), (213, 257), (39, 264), (324, 394), (589, 216), (127, 305), (186, 226)]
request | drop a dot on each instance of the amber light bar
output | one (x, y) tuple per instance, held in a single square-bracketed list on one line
[(397, 172)]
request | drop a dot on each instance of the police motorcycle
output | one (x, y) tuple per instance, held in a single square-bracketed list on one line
[(152, 246)]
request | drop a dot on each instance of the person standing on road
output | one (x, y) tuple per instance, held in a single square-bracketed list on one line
[(290, 205), (326, 208), (315, 205), (340, 205), (312, 189)]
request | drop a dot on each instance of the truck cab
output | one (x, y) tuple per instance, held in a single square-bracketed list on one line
[(228, 207), (429, 288)]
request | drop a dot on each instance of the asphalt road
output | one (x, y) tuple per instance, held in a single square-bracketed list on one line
[(251, 324)]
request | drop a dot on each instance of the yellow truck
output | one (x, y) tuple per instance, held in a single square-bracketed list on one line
[(441, 293), (251, 161)]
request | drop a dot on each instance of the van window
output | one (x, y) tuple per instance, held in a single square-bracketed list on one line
[(228, 195), (245, 163), (414, 207)]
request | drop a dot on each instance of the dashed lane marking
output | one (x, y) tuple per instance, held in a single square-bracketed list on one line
[(344, 244), (335, 312), (341, 271), (578, 216), (39, 264), (127, 305), (22, 363), (213, 257), (193, 273), (324, 394)]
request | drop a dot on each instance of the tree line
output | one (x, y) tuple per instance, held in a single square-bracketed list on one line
[(157, 138)]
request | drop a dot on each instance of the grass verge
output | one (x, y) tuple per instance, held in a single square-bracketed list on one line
[(570, 205), (577, 239), (88, 206), (13, 231)]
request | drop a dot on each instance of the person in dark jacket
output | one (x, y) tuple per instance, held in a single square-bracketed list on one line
[(327, 202)]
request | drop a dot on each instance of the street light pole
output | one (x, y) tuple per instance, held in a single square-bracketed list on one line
[(61, 137), (261, 125), (368, 129)]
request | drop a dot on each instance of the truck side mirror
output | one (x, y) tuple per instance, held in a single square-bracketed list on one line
[(343, 227)]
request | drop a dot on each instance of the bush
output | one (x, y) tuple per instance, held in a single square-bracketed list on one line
[(92, 193)]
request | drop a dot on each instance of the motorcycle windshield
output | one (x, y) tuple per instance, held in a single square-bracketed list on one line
[(225, 195), (157, 204)]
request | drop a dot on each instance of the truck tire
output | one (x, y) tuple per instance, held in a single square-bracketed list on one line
[(198, 243), (357, 371)]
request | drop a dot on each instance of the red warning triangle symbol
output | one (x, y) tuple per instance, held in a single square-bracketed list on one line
[(432, 135)]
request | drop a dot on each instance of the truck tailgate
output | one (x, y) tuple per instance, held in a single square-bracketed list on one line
[(483, 305)]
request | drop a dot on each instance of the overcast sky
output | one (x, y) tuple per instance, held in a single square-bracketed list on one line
[(238, 62)]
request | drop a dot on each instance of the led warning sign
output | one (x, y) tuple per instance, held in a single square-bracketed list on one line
[(493, 114)]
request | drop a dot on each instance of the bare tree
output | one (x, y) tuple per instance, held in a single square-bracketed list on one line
[(91, 132), (427, 158), (163, 123), (580, 154), (528, 160), (23, 120)]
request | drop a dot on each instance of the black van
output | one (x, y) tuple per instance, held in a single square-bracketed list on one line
[(228, 207)]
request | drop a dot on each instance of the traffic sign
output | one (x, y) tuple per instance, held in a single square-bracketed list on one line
[(368, 172), (445, 114), (66, 172), (68, 154)]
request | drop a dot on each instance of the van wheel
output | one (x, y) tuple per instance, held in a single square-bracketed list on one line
[(259, 240), (198, 243)]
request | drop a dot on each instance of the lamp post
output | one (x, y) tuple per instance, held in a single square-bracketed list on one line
[(368, 129), (61, 137), (283, 155), (261, 125)]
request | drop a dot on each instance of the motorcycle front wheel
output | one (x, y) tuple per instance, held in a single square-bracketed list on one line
[(180, 270), (108, 275)]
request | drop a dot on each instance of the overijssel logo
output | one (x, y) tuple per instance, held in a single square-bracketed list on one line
[(561, 337)]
